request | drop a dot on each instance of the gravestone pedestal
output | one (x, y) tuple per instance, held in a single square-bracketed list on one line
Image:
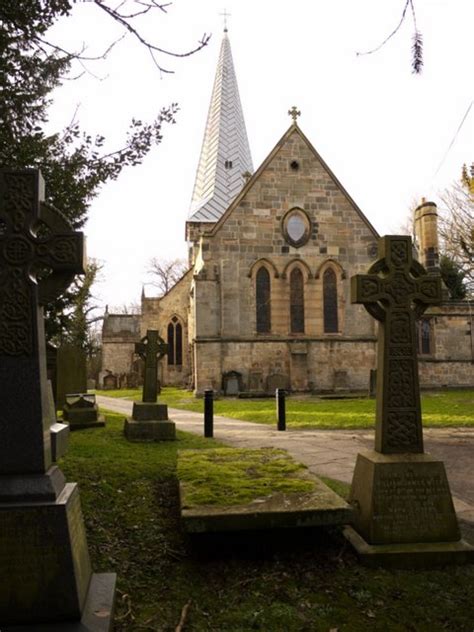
[(81, 411), (404, 512), (149, 420)]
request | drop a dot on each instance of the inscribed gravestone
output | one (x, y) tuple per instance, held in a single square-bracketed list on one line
[(44, 560), (71, 372), (405, 514), (149, 420)]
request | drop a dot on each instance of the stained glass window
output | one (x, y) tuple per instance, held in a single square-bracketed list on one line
[(330, 301), (296, 301), (263, 301)]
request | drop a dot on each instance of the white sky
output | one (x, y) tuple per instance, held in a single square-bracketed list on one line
[(382, 130)]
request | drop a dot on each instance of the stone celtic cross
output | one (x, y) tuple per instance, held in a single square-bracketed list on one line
[(396, 292), (39, 256), (151, 349)]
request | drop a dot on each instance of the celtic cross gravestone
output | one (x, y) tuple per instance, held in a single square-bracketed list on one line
[(404, 511), (149, 420), (396, 292), (151, 349), (44, 560)]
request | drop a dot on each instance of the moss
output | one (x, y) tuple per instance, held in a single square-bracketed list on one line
[(234, 476)]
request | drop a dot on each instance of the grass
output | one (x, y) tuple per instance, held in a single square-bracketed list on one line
[(305, 581), (236, 476), (440, 408)]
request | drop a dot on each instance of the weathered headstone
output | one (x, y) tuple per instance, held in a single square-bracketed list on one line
[(404, 510), (71, 372), (59, 432), (232, 382), (110, 382), (45, 572), (276, 381), (149, 420), (81, 411)]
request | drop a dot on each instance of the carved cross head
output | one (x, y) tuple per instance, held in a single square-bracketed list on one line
[(152, 347), (395, 281)]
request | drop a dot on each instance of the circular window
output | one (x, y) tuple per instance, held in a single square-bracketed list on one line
[(296, 227)]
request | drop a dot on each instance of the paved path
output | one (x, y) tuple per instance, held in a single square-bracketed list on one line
[(332, 452)]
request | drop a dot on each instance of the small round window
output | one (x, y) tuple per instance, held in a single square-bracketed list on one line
[(296, 227)]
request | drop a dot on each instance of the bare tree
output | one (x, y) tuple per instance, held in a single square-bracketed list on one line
[(166, 272), (126, 308), (456, 225)]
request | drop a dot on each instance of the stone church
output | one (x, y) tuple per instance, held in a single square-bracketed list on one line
[(265, 303)]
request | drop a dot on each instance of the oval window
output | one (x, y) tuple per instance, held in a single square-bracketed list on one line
[(296, 227)]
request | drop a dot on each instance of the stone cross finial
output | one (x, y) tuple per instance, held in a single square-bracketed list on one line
[(396, 292), (294, 113), (225, 16), (151, 348), (39, 256)]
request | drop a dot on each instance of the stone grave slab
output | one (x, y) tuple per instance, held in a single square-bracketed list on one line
[(404, 514), (45, 572), (149, 421), (267, 490), (81, 411), (71, 372)]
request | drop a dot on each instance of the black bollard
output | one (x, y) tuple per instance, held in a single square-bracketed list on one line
[(208, 414), (281, 408)]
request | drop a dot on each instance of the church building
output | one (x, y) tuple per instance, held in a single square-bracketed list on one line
[(265, 303)]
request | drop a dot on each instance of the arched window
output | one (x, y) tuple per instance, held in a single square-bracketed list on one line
[(330, 301), (296, 301), (175, 342), (263, 301)]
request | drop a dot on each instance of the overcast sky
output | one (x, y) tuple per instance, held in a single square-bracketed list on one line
[(382, 130)]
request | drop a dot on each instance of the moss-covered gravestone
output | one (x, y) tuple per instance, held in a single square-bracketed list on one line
[(404, 510), (45, 572), (149, 420)]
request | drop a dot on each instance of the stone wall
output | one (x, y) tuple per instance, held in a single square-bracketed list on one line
[(157, 313)]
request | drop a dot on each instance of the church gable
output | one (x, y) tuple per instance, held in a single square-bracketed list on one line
[(262, 220)]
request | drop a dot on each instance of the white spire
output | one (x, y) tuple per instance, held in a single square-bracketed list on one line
[(225, 153)]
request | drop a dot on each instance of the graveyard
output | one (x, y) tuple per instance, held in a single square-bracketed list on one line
[(159, 532), (295, 581)]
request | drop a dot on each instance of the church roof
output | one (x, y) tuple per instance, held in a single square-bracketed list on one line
[(225, 153)]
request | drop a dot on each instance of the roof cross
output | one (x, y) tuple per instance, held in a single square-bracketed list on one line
[(225, 16), (294, 113)]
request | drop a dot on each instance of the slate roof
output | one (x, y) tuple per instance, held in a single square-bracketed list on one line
[(225, 153)]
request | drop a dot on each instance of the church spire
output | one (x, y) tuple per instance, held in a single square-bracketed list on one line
[(225, 153)]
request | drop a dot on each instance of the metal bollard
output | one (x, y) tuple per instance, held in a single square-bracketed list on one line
[(281, 408), (209, 414)]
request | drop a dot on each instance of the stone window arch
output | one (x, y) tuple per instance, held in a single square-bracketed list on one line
[(296, 301), (263, 300), (175, 342), (330, 302)]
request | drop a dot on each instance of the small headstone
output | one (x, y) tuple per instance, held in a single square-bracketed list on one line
[(110, 382), (71, 372), (255, 381), (232, 383), (81, 411), (45, 571), (404, 510), (59, 432), (341, 380), (149, 420)]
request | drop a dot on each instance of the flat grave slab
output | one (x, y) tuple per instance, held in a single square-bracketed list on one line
[(233, 489)]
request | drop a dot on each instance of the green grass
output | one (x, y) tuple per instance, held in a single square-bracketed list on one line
[(307, 581), (236, 476), (440, 408)]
